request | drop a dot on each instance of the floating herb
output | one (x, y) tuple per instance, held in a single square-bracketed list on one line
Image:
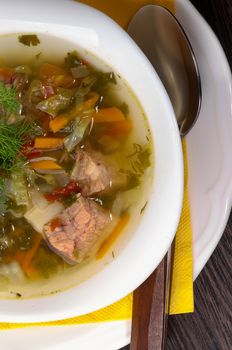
[(29, 39), (2, 196), (143, 208), (8, 99), (37, 56), (140, 158), (124, 108), (132, 179), (137, 149), (12, 137), (102, 81), (72, 59)]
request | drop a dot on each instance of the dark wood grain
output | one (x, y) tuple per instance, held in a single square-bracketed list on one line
[(149, 319), (210, 327)]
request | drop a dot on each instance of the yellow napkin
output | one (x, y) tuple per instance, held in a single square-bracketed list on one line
[(182, 283), (181, 299)]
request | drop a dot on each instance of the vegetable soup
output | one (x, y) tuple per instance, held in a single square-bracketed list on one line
[(75, 162)]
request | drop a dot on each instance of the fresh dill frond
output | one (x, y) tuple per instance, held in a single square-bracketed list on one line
[(140, 158), (18, 164), (12, 137), (139, 161), (8, 99), (1, 183), (2, 196)]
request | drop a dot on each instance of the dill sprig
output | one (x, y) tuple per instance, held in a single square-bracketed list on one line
[(8, 99), (2, 195), (12, 137), (140, 158)]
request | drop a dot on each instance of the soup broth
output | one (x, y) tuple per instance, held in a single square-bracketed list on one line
[(75, 165)]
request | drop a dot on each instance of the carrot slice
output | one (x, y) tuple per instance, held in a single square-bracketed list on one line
[(56, 76), (108, 115), (45, 165), (32, 273), (29, 254), (19, 256), (59, 122), (114, 235), (120, 129), (24, 258), (93, 97), (48, 142), (62, 120), (48, 71)]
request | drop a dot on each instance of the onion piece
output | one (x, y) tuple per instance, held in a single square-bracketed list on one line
[(38, 199), (39, 159), (39, 217), (16, 214), (79, 129), (12, 272)]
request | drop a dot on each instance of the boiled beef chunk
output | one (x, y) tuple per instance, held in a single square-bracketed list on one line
[(95, 173), (77, 229)]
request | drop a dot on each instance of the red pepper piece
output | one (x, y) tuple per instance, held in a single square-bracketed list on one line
[(71, 187), (56, 222)]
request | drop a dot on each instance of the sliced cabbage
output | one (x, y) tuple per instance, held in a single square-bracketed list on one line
[(12, 272), (38, 217), (18, 188), (53, 105), (38, 199), (81, 71), (79, 129), (34, 89), (85, 86), (49, 179)]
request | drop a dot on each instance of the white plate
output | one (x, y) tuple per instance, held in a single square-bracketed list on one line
[(210, 190)]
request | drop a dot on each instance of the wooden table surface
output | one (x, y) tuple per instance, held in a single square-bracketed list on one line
[(210, 327)]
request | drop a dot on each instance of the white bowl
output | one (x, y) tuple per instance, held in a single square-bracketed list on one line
[(88, 29)]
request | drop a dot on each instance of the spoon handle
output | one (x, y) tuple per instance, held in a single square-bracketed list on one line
[(150, 305)]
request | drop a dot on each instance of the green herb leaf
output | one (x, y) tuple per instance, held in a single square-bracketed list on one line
[(53, 105), (140, 158), (124, 108), (8, 99), (3, 198), (72, 59), (102, 81), (85, 87), (29, 39), (12, 137), (143, 208)]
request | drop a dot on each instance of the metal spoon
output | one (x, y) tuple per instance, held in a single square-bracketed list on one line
[(161, 37)]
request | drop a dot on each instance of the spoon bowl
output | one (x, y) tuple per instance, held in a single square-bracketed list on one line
[(161, 37)]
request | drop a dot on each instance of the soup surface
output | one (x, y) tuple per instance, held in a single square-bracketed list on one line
[(72, 165)]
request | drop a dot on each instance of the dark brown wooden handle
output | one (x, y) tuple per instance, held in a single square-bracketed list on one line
[(149, 311)]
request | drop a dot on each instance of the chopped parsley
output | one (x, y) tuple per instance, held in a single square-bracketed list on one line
[(29, 39)]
